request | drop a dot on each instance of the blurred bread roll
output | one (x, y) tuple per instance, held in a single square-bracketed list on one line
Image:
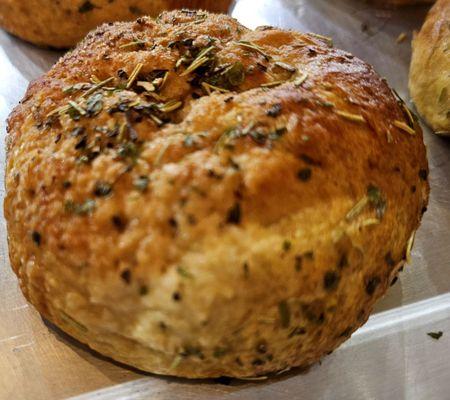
[(63, 23), (429, 79)]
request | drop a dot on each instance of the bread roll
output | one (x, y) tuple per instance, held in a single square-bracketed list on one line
[(194, 198), (429, 79), (399, 3), (63, 23)]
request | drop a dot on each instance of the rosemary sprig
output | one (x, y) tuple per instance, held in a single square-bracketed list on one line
[(160, 155), (134, 43), (169, 106), (211, 88), (357, 209), (254, 47), (58, 110), (163, 81), (96, 87), (328, 40), (77, 107), (134, 75), (300, 80), (201, 59), (404, 127), (147, 86), (273, 84), (285, 66), (350, 117)]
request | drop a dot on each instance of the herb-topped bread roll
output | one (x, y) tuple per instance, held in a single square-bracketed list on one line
[(194, 198), (63, 23), (397, 3), (429, 79)]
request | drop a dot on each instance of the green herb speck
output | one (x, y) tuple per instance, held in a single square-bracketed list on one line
[(435, 335), (141, 183), (287, 245), (285, 313), (86, 7), (184, 273)]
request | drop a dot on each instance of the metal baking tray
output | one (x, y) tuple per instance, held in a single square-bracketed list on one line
[(391, 357)]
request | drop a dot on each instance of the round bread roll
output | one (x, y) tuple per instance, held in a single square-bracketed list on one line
[(63, 23), (194, 198), (429, 79), (400, 3)]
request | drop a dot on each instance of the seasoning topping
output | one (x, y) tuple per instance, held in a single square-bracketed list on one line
[(234, 214), (404, 127), (80, 208), (285, 313), (201, 59), (274, 111), (36, 236), (254, 47), (134, 75), (102, 189), (285, 66), (304, 174), (299, 81), (350, 117), (86, 7), (435, 335)]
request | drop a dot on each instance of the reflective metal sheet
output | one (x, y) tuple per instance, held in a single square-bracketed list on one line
[(391, 357)]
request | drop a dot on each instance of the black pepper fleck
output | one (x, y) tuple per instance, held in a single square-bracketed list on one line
[(126, 276), (176, 296), (257, 361), (371, 285), (331, 280), (118, 222), (86, 7), (234, 214), (102, 189), (389, 260), (285, 313), (297, 331), (143, 290), (343, 261), (274, 111), (287, 245), (261, 348), (36, 236), (304, 174), (423, 174), (298, 263)]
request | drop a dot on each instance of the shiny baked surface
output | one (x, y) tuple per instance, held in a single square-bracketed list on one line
[(240, 217)]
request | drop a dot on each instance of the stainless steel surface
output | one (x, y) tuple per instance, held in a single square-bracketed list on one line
[(390, 358)]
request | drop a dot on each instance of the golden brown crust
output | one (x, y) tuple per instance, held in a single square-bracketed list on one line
[(63, 23), (251, 232), (429, 80)]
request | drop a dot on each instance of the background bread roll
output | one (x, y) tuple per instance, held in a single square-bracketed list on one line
[(429, 79), (402, 2), (63, 23), (198, 199)]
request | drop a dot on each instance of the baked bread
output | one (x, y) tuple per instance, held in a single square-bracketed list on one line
[(399, 3), (63, 23), (429, 78), (211, 200)]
